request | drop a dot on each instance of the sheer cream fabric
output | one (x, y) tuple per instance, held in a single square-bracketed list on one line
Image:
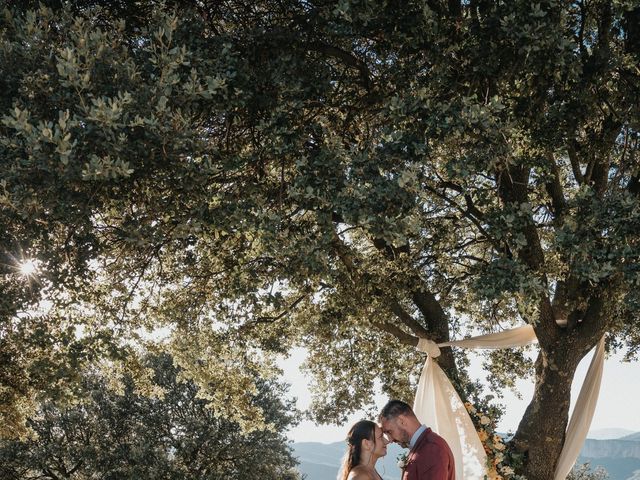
[(583, 410), (438, 405)]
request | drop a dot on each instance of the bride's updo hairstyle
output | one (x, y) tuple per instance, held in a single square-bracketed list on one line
[(362, 430)]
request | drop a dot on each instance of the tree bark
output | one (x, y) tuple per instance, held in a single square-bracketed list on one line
[(438, 325), (540, 435)]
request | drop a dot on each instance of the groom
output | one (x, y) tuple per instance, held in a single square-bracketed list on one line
[(430, 457)]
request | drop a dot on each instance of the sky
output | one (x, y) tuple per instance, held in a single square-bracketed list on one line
[(620, 389)]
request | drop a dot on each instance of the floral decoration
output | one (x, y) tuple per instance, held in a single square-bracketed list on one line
[(402, 461), (500, 460)]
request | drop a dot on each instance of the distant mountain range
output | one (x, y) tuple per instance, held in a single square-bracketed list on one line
[(321, 461), (620, 457), (615, 450), (609, 433)]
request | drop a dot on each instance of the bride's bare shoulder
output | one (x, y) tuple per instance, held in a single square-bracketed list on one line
[(360, 473)]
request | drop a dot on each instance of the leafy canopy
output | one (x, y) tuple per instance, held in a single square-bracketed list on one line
[(171, 435), (346, 176)]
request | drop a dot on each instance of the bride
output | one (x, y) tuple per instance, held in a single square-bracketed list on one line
[(366, 444)]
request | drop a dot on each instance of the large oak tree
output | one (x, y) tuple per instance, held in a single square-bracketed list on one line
[(347, 176)]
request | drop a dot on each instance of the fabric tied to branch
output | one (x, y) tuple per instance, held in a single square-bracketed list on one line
[(429, 347), (438, 405)]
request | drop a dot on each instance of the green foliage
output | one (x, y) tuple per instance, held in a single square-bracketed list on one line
[(248, 177), (584, 472), (171, 436)]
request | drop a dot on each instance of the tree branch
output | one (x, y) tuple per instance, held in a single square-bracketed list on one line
[(554, 189), (50, 474), (408, 320), (430, 308), (271, 319), (634, 185), (512, 189), (575, 162), (600, 174), (593, 323), (346, 57), (435, 318), (397, 332), (469, 215), (76, 467), (347, 259), (471, 207)]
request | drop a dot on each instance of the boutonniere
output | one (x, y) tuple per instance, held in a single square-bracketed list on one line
[(402, 461)]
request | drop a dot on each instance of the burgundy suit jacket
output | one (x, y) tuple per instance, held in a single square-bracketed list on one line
[(430, 459)]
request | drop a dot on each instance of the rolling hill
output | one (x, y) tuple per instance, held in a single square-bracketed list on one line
[(620, 457)]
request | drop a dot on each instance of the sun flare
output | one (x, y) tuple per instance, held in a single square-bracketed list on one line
[(28, 267)]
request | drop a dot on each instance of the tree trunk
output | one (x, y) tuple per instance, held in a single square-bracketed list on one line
[(540, 435)]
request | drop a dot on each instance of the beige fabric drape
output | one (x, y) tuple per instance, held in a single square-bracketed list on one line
[(582, 415), (438, 405)]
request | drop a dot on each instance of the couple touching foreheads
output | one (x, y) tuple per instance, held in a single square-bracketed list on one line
[(429, 456)]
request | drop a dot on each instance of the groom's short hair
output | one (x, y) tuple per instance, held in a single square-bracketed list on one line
[(393, 408)]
